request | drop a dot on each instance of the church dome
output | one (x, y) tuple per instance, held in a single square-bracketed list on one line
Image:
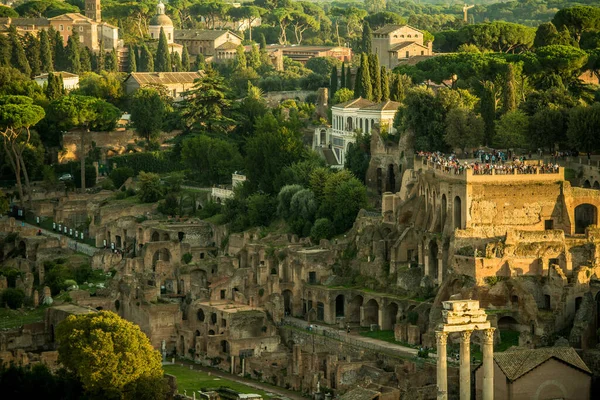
[(161, 20)]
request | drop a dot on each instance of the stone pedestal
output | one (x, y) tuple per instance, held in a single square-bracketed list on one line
[(465, 365), (488, 364), (442, 373)]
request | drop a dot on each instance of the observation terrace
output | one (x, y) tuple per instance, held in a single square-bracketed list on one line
[(509, 172)]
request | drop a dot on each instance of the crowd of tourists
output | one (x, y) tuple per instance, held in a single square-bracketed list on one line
[(487, 163)]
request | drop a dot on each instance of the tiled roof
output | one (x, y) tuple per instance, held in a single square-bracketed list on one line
[(164, 78), (201, 34), (71, 16), (227, 46), (291, 48), (517, 363), (391, 28), (383, 106), (414, 60), (25, 21), (360, 393), (64, 74), (356, 103), (402, 45)]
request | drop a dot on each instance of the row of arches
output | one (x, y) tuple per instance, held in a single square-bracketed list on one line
[(457, 208), (588, 185)]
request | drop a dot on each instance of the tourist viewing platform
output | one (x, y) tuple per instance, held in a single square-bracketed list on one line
[(472, 170)]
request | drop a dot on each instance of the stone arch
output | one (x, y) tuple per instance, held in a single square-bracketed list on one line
[(274, 271), (390, 315), (586, 184), (161, 255), (213, 318), (180, 236), (371, 312), (391, 179), (155, 236), (287, 302), (340, 305), (117, 304), (443, 210), (320, 311), (585, 215), (211, 332), (508, 323), (544, 391), (349, 126), (578, 301), (596, 185), (353, 314), (165, 237), (458, 213), (433, 259), (200, 315)]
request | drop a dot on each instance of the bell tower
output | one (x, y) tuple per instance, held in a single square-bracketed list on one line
[(92, 10)]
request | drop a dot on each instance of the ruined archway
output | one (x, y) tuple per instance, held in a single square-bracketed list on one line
[(390, 314), (200, 315), (596, 185), (433, 259), (391, 179), (508, 323), (340, 303), (585, 215), (457, 213), (287, 302), (586, 184), (164, 237), (155, 237), (443, 211), (353, 314), (371, 313), (225, 346), (161, 255)]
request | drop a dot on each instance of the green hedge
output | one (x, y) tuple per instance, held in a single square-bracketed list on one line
[(157, 161)]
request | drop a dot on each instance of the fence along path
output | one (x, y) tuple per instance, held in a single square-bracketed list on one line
[(71, 244)]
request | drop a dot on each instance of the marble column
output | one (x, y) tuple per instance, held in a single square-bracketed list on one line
[(465, 365), (488, 364), (442, 372)]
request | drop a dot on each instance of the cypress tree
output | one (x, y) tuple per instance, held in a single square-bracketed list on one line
[(263, 42), (366, 38), (199, 64), (254, 60), (240, 58), (54, 88), (132, 59), (333, 82), (147, 60), (363, 87), (85, 58), (185, 60), (349, 78), (58, 49), (509, 93), (488, 111), (112, 62), (32, 51), (375, 73), (176, 60), (99, 58), (45, 52), (72, 54), (343, 76), (385, 84), (4, 51), (18, 59), (162, 63)]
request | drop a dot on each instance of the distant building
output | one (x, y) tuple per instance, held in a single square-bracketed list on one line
[(304, 53), (176, 83), (222, 193), (545, 373), (394, 44), (162, 21), (348, 118), (214, 45), (24, 25), (70, 81)]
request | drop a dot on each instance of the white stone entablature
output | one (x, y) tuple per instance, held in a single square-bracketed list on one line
[(358, 115)]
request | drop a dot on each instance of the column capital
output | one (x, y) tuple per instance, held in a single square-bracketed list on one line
[(488, 335), (441, 337), (465, 336)]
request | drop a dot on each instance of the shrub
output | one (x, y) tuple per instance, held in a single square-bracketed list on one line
[(186, 258), (322, 229), (158, 162), (413, 317), (120, 175), (423, 353), (209, 209), (83, 273), (169, 206), (13, 298), (150, 188)]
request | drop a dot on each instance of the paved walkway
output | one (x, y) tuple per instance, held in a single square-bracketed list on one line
[(280, 392), (72, 244), (356, 340)]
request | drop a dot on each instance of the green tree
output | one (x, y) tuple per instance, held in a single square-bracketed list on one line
[(148, 110), (342, 95), (333, 82), (240, 62), (85, 59), (100, 59), (119, 175), (17, 115), (509, 91), (261, 209), (3, 203), (111, 63), (72, 54), (343, 77), (564, 61), (176, 61), (213, 160), (375, 74), (60, 62), (547, 128), (358, 156), (150, 188), (132, 67), (577, 19), (423, 114), (208, 103), (199, 64), (511, 130), (365, 44), (12, 298), (54, 87), (322, 229), (284, 199), (18, 59), (106, 351), (146, 60), (163, 57), (488, 106), (254, 60), (385, 84), (363, 86), (32, 51), (583, 129), (47, 64), (349, 84), (185, 60), (343, 197), (322, 65), (464, 129)]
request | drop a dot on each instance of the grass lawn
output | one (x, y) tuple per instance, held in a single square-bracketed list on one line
[(191, 380), (386, 336), (15, 318)]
